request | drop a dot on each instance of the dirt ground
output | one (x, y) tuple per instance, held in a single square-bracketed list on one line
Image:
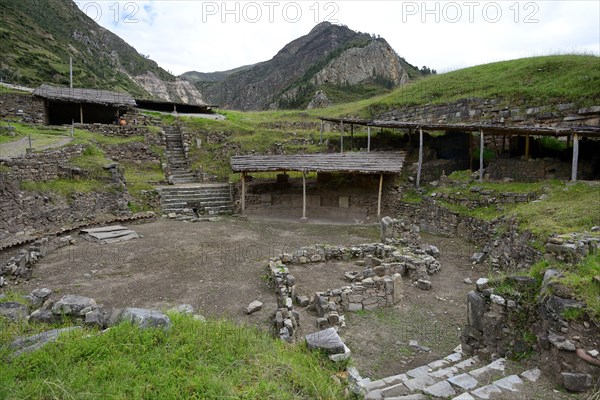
[(217, 267), (220, 267)]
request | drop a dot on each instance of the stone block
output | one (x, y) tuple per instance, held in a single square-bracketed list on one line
[(73, 305), (576, 382), (344, 202), (254, 307), (326, 340), (475, 310), (144, 318)]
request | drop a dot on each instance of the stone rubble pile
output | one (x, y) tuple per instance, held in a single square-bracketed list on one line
[(80, 310), (286, 320), (497, 322), (20, 266), (573, 247)]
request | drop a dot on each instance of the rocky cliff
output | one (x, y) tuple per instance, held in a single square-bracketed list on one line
[(330, 58)]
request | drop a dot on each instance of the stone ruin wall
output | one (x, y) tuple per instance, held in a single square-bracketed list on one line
[(495, 111), (22, 108), (350, 201)]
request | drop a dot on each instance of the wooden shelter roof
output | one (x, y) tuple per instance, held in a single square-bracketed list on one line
[(93, 96), (584, 131), (351, 162)]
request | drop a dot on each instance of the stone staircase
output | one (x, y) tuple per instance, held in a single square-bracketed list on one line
[(177, 161), (201, 199), (453, 377)]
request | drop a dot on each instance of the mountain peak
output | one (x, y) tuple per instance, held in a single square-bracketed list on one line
[(329, 55)]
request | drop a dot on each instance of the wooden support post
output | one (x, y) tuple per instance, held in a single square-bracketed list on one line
[(322, 128), (575, 157), (527, 146), (303, 219), (481, 156), (379, 197), (81, 113), (243, 193), (503, 143), (351, 137), (368, 138), (420, 164), (342, 137)]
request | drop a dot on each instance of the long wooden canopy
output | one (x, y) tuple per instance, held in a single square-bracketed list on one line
[(583, 131), (350, 162)]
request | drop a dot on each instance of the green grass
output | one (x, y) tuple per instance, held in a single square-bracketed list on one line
[(212, 360), (535, 80), (65, 187), (569, 208), (579, 278), (139, 178)]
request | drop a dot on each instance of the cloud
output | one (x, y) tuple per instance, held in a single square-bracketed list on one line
[(217, 35)]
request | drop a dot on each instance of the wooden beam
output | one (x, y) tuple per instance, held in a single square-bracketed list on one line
[(243, 193), (368, 138), (420, 164), (322, 128), (481, 156), (303, 219), (81, 113), (351, 137), (575, 157), (342, 137), (527, 146), (379, 197)]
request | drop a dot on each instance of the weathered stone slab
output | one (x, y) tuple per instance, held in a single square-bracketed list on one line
[(253, 307), (532, 375), (144, 318), (509, 383), (475, 310), (464, 396), (34, 342), (420, 372), (13, 310), (486, 392), (464, 381), (419, 383), (326, 340), (73, 305), (441, 389), (576, 382)]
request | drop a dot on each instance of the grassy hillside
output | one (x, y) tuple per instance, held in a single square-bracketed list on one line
[(528, 81), (38, 37), (192, 360)]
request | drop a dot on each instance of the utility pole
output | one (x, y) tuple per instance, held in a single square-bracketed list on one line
[(71, 71)]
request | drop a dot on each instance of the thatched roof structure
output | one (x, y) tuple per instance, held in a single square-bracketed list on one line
[(352, 162), (92, 96)]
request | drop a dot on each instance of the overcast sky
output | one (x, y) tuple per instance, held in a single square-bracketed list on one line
[(211, 36)]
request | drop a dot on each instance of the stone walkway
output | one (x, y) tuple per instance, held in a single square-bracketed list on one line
[(453, 377)]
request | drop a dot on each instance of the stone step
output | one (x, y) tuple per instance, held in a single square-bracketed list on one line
[(196, 197), (201, 202), (193, 191), (453, 377)]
